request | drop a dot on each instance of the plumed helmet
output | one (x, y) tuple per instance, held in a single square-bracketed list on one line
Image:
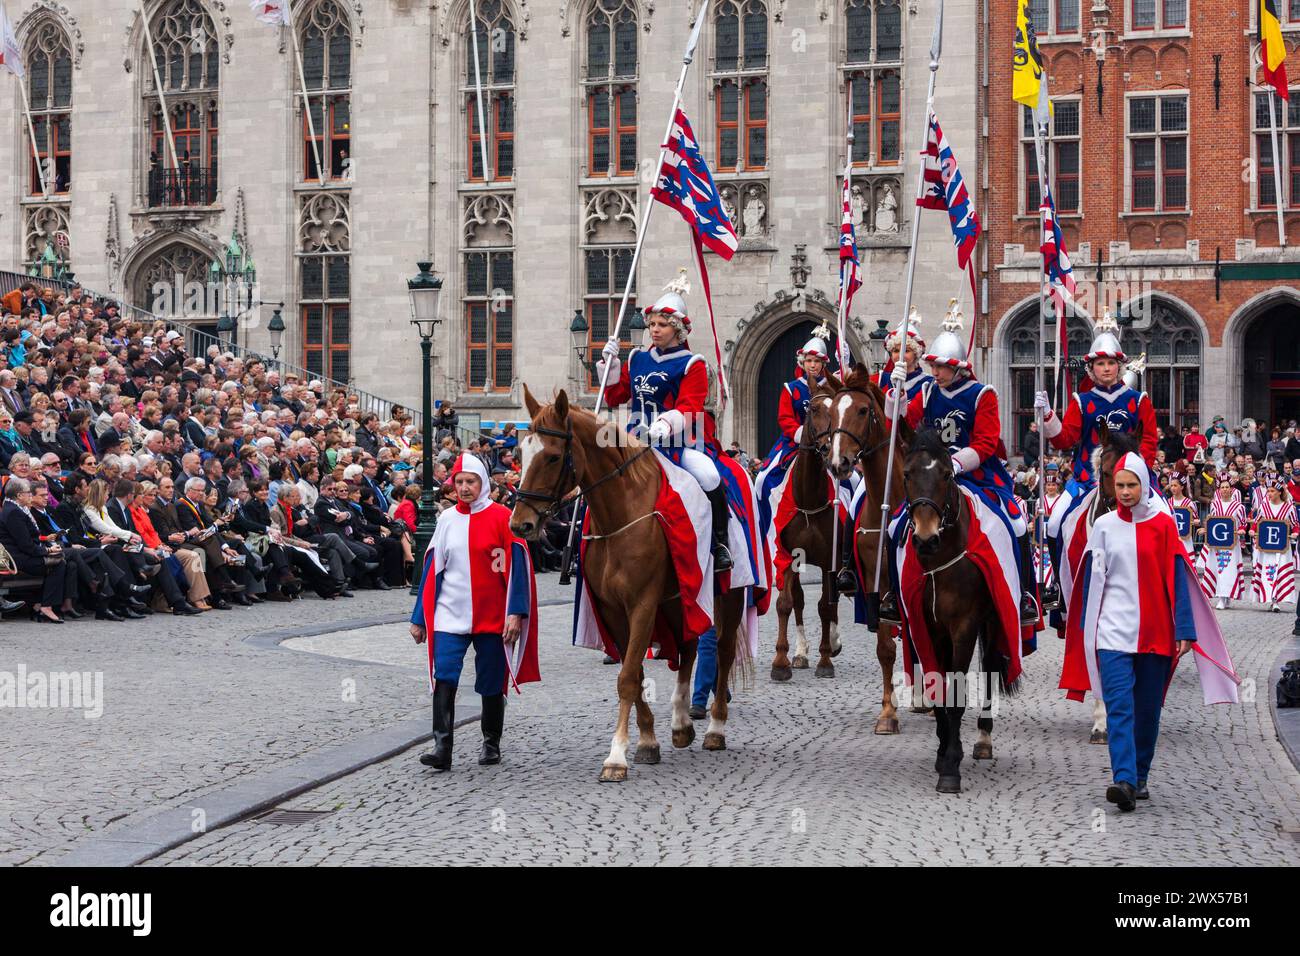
[(1133, 372), (913, 333), (1106, 343), (672, 304), (950, 347), (816, 346)]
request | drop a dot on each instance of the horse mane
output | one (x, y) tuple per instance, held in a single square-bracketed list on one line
[(1119, 442), (927, 441)]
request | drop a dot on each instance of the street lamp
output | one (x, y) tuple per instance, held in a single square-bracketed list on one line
[(276, 328), (578, 335), (425, 291), (225, 328), (877, 337)]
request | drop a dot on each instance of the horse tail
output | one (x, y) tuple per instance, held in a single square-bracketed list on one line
[(993, 661)]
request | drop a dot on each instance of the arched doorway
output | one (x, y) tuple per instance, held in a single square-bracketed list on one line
[(778, 367), (1271, 351), (174, 281)]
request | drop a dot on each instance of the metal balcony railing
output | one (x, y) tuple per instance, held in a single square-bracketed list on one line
[(179, 188)]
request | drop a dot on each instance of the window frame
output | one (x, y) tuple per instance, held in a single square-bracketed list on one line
[(492, 345), (1158, 137), (49, 114), (744, 78), (329, 307), (495, 93), (1054, 31), (872, 69), (1051, 145), (1289, 144), (612, 300), (612, 85), (1158, 25)]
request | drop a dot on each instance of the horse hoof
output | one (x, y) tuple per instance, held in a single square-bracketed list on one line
[(1099, 737), (825, 670), (715, 741), (887, 725), (781, 674), (683, 737), (613, 774), (799, 662), (948, 784), (647, 755), (982, 751)]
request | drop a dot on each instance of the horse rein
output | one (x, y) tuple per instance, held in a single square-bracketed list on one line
[(863, 451)]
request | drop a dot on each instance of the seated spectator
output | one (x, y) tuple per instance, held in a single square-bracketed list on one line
[(22, 539)]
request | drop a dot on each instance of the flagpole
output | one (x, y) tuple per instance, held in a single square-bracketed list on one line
[(478, 91), (302, 81), (1277, 169), (687, 58), (842, 354), (936, 47), (31, 131), (162, 97), (1041, 115)]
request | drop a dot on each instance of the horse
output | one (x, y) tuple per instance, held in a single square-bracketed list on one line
[(631, 576), (859, 432), (957, 605), (808, 536), (1100, 500)]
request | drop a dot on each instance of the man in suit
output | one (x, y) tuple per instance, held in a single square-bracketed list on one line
[(166, 522), (101, 582), (119, 509), (335, 514), (368, 434), (253, 516), (22, 539), (75, 437), (10, 394), (194, 518)]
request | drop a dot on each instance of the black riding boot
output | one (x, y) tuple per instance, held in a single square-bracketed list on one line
[(847, 582), (492, 722), (888, 612), (721, 515), (1028, 602), (444, 716)]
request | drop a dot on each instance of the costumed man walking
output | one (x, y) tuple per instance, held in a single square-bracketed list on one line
[(1221, 571), (478, 589), (1136, 611), (964, 413)]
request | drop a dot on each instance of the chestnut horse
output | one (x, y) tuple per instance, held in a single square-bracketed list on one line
[(959, 609), (626, 563), (807, 538), (859, 433)]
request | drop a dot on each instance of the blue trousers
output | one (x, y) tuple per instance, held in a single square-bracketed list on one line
[(449, 652), (706, 668), (1134, 688)]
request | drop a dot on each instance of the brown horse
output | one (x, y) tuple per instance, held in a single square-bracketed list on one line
[(859, 432), (807, 537), (959, 609), (626, 563)]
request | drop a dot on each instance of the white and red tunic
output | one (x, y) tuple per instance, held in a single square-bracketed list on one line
[(1189, 542), (1221, 575), (1273, 578)]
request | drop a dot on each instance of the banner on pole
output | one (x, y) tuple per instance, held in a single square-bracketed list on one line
[(274, 12), (11, 54)]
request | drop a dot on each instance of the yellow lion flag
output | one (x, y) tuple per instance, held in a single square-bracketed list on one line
[(1027, 63)]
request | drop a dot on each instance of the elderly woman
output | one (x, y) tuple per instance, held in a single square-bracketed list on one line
[(22, 539)]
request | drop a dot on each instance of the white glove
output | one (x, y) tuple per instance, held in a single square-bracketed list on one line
[(957, 466), (615, 371), (1041, 402), (610, 351), (898, 377), (660, 431)]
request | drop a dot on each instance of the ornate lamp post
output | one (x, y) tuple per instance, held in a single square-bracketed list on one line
[(276, 328), (578, 330), (236, 279), (425, 291), (879, 354)]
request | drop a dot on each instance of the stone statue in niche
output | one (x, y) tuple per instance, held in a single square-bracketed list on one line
[(857, 209), (887, 211), (729, 203), (755, 210)]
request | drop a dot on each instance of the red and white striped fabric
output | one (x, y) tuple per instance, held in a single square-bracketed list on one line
[(684, 516), (273, 12), (784, 510), (990, 546), (1221, 568), (1189, 542), (1272, 578)]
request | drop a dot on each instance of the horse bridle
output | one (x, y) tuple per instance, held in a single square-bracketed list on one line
[(863, 451), (555, 499), (947, 518)]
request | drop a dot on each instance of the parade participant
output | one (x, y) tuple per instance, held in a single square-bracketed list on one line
[(1221, 576), (964, 412), (477, 588), (1136, 611), (910, 357), (667, 387), (1273, 565), (1103, 396), (1178, 499)]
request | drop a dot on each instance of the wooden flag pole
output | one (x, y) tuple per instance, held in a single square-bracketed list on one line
[(306, 100), (31, 131), (1041, 115), (478, 91)]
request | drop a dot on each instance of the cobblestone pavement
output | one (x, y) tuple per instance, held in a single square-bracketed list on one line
[(187, 706), (803, 779)]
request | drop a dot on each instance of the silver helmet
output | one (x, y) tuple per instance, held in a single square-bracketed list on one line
[(672, 304), (913, 334), (950, 347), (816, 346), (1106, 342)]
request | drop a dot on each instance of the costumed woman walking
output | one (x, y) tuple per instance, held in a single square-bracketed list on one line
[(478, 589), (1272, 577), (1136, 611), (1221, 573)]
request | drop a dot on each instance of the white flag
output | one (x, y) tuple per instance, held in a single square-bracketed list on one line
[(274, 12), (11, 54)]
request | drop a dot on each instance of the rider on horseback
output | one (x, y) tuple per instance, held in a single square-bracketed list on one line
[(667, 386), (964, 412), (910, 358)]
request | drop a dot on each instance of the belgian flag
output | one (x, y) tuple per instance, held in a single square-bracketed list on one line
[(1272, 48)]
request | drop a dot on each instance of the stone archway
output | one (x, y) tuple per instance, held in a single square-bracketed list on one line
[(163, 275), (1262, 342), (758, 337)]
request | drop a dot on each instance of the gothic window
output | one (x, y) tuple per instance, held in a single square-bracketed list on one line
[(739, 82), (605, 274), (609, 87), (49, 64), (872, 80), (326, 41), (496, 66), (325, 283), (488, 299)]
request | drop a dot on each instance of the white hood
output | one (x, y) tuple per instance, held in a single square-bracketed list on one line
[(475, 466)]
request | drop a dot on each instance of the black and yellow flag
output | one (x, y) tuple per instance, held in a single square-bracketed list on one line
[(1272, 48)]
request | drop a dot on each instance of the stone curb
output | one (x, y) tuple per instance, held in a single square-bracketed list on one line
[(1286, 721)]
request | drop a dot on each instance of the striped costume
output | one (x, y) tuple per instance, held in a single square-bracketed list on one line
[(1273, 577), (1221, 575)]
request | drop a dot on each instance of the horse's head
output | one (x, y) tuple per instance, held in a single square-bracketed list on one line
[(551, 460), (931, 490), (817, 425), (1114, 446), (857, 421)]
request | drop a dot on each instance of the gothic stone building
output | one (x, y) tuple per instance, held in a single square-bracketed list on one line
[(336, 207)]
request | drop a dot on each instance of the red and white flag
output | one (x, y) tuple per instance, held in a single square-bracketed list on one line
[(274, 12), (11, 54), (850, 270)]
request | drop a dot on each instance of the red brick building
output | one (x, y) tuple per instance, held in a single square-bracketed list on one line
[(1158, 134)]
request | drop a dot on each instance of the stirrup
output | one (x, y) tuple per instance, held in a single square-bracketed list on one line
[(888, 613), (1051, 599), (1029, 611), (721, 559), (846, 582)]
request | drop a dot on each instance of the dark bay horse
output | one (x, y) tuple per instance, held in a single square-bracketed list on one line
[(957, 606), (809, 538), (859, 432), (626, 563)]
